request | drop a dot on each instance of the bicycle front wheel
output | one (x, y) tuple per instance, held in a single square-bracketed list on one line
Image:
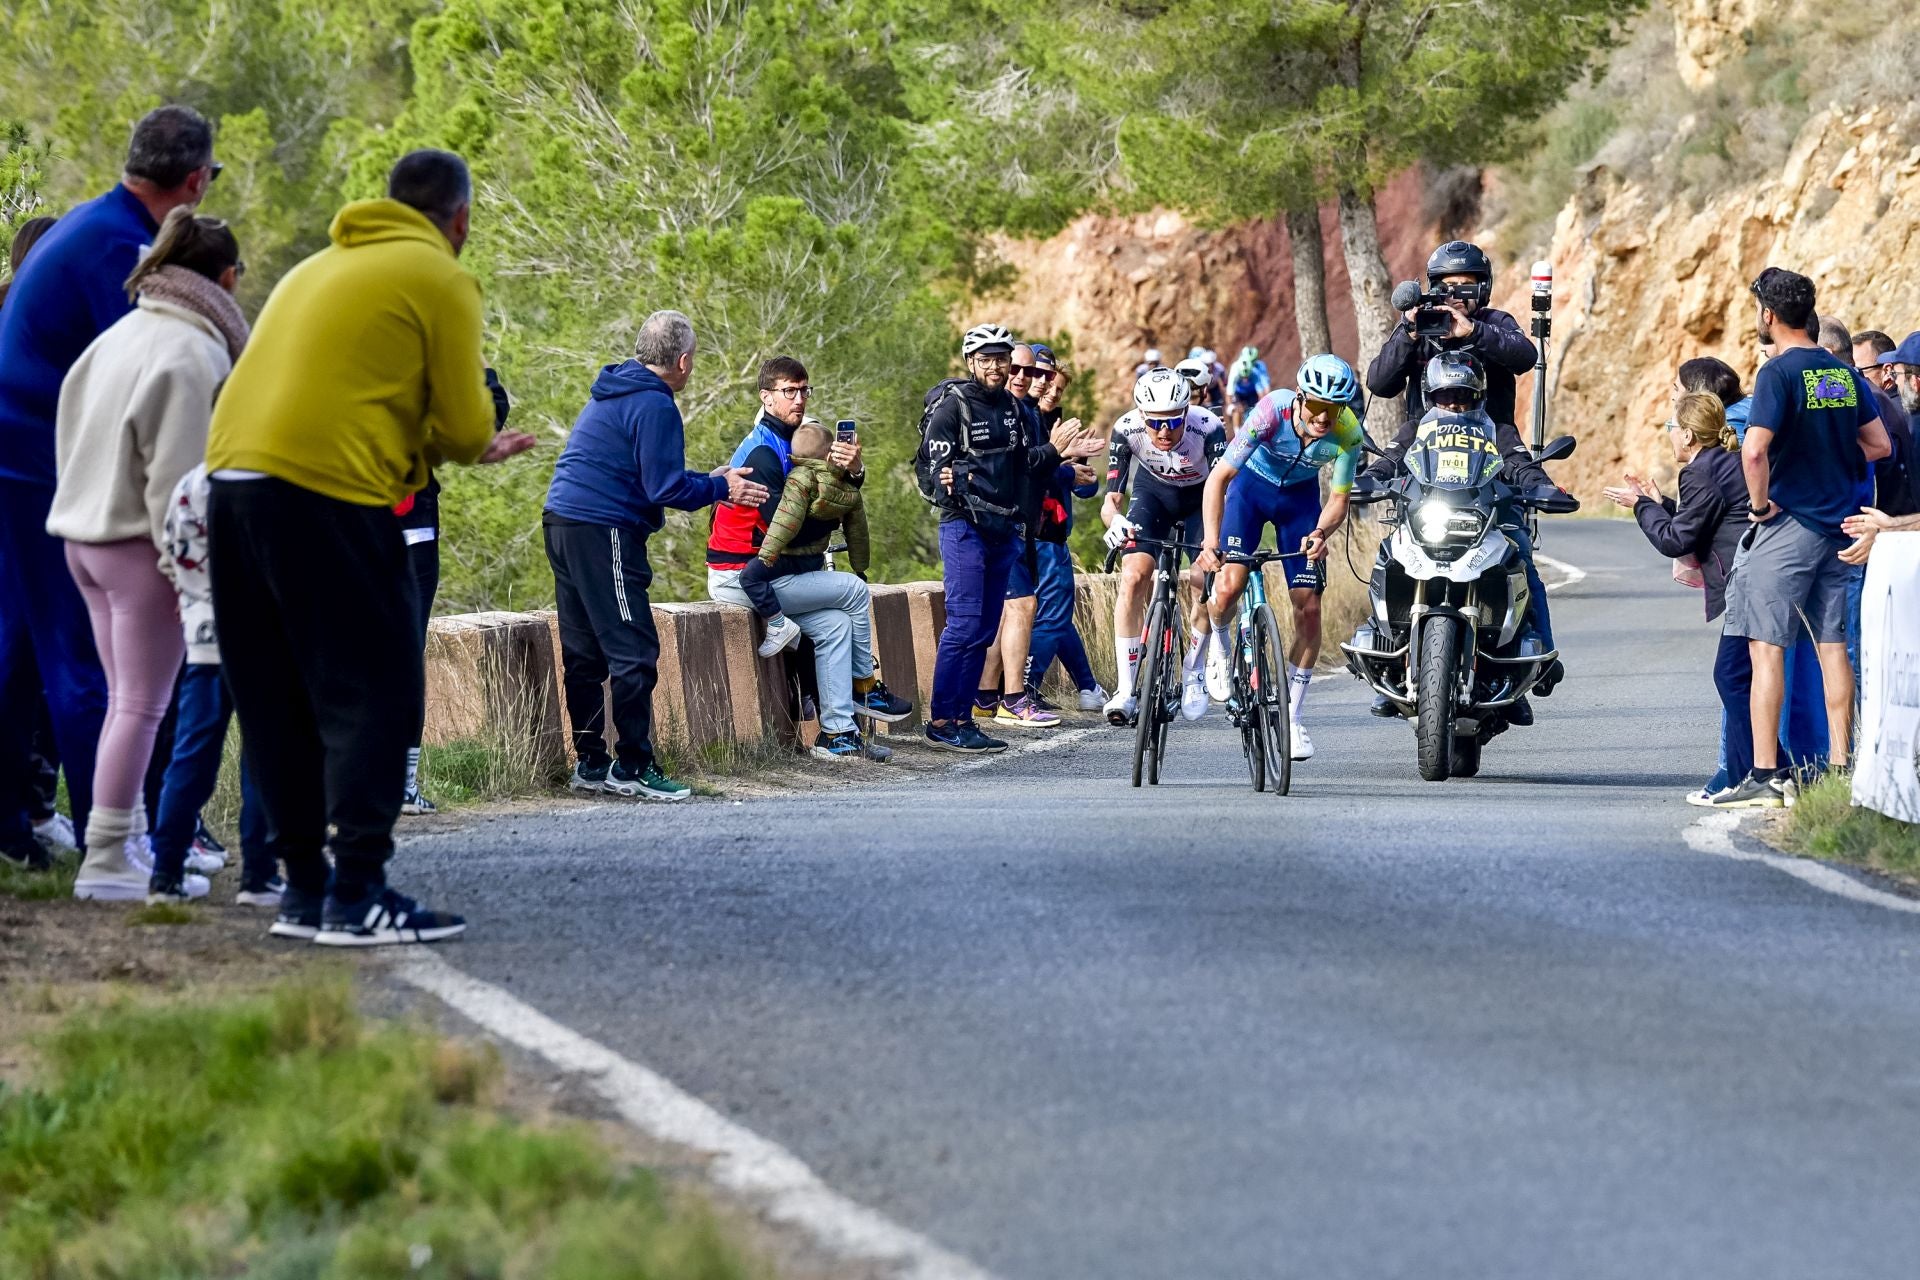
[(1271, 701), (1253, 739), (1152, 662)]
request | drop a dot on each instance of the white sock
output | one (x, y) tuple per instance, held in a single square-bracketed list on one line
[(1222, 639), (1299, 679), (1128, 650), (1197, 653), (413, 769)]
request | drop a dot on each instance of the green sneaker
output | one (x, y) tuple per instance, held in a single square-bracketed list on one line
[(648, 784)]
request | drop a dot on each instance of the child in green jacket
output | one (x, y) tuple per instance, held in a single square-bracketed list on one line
[(818, 499)]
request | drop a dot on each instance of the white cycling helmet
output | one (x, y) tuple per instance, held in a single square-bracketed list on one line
[(1198, 373), (1161, 392), (1152, 356), (988, 339)]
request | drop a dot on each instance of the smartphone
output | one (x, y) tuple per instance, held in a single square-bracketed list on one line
[(845, 430)]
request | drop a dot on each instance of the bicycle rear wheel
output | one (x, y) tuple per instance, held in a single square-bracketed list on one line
[(1148, 684), (1253, 738), (1271, 701)]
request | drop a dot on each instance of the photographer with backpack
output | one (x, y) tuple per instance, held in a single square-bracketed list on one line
[(978, 460)]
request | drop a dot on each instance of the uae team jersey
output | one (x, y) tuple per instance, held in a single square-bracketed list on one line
[(1269, 446), (1184, 465)]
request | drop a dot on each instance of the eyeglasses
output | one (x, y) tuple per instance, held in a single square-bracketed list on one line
[(214, 170), (995, 359), (1033, 371), (793, 393)]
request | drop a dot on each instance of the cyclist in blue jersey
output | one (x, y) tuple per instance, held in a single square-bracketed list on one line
[(1247, 383), (1271, 476)]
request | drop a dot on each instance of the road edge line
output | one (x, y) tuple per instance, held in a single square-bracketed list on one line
[(1713, 833), (1570, 574), (1052, 742), (743, 1162)]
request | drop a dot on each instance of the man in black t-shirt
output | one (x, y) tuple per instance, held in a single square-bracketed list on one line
[(1811, 433)]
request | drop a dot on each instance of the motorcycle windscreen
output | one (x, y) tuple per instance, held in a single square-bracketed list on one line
[(1454, 451)]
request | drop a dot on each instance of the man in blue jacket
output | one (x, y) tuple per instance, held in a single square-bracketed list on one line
[(624, 462), (67, 293)]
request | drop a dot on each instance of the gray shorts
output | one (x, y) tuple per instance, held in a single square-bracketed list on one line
[(1786, 570)]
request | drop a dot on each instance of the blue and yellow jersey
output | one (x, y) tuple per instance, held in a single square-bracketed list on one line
[(1268, 445)]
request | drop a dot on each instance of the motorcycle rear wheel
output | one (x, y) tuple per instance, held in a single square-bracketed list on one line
[(1433, 731)]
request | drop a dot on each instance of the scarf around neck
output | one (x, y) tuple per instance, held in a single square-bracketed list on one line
[(193, 292)]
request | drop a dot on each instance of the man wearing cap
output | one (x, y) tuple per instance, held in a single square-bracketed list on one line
[(1902, 365)]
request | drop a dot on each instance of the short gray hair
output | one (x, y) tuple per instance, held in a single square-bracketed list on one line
[(1835, 338), (665, 336)]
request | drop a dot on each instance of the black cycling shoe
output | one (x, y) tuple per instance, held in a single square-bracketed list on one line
[(1520, 713), (1556, 672), (1383, 707)]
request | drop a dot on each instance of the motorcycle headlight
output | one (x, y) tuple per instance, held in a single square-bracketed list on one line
[(1438, 522)]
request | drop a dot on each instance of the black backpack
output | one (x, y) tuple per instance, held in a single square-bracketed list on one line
[(926, 471)]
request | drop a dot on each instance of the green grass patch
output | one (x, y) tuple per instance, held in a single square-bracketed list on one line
[(284, 1136), (1826, 824), (40, 886), (163, 913)]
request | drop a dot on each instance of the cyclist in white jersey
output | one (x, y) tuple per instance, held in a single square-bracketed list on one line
[(1165, 447)]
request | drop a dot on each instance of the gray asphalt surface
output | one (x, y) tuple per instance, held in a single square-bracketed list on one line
[(1502, 1027)]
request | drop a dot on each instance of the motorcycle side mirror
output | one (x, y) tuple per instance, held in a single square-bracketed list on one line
[(1556, 449), (1366, 497), (1367, 446)]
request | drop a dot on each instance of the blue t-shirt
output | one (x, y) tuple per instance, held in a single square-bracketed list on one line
[(1815, 406)]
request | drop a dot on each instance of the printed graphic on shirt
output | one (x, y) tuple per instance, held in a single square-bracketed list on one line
[(1830, 388)]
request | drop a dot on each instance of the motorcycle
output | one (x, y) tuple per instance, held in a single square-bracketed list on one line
[(1448, 642)]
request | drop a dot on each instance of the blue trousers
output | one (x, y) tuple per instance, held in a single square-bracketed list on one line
[(1802, 732), (1054, 633), (199, 741), (44, 621), (1542, 620), (974, 567)]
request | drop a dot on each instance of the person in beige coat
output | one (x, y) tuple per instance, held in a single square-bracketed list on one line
[(133, 418)]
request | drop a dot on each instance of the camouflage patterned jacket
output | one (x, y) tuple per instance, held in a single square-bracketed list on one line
[(818, 497)]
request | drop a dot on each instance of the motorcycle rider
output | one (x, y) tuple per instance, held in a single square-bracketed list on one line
[(1166, 446), (1271, 475), (1455, 385)]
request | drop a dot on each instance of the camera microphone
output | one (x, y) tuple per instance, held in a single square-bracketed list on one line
[(1406, 296)]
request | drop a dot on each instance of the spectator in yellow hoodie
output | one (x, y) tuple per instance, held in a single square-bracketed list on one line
[(364, 370)]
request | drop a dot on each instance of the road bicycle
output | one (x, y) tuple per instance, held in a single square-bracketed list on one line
[(1259, 707), (1162, 649)]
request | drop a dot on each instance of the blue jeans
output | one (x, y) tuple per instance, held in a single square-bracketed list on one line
[(974, 566), (1856, 582), (1054, 633), (199, 740), (1803, 711), (1542, 621)]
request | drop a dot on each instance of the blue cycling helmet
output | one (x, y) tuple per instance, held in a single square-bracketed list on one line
[(1327, 378)]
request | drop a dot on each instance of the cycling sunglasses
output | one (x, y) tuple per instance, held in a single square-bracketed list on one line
[(1039, 373), (1166, 424), (1319, 408)]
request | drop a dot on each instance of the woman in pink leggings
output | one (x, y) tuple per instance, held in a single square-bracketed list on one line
[(133, 420)]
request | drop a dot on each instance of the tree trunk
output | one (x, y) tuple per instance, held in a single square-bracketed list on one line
[(1372, 291), (1309, 281)]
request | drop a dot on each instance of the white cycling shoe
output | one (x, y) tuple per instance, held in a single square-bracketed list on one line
[(1120, 709), (1219, 675), (1193, 693), (1302, 744)]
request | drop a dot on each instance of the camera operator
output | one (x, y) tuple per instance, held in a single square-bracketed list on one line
[(1459, 280)]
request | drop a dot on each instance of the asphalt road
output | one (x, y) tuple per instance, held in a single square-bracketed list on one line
[(1509, 1026)]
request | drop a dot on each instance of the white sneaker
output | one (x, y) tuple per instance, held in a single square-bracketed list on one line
[(1219, 675), (1093, 699), (1120, 709), (1702, 798), (1302, 744), (56, 834), (1193, 693), (124, 885), (783, 634), (139, 854)]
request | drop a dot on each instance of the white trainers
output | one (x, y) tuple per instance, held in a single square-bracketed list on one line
[(1193, 693), (783, 634), (103, 884), (190, 888), (1302, 744), (1093, 699), (1219, 675), (56, 834), (1120, 709), (139, 854)]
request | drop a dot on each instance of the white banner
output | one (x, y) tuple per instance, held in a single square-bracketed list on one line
[(1886, 776)]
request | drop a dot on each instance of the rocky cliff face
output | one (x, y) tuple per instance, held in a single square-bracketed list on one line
[(1643, 285), (1121, 285)]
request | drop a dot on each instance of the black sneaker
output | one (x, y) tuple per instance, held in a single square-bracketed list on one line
[(1774, 791), (883, 704), (180, 888), (299, 916), (261, 893), (204, 841), (1520, 713), (964, 738), (1556, 672), (382, 919), (1383, 707), (28, 855), (589, 777)]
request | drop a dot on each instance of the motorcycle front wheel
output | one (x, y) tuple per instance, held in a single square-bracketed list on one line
[(1433, 731)]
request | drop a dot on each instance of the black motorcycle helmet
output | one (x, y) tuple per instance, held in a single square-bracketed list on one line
[(1456, 371), (1458, 258)]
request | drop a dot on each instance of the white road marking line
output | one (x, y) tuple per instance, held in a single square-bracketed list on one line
[(1713, 833), (743, 1161), (1051, 743), (1570, 574)]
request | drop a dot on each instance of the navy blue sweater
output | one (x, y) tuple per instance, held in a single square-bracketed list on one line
[(627, 457), (69, 291)]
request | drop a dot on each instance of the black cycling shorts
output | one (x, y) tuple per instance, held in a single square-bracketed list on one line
[(1157, 507)]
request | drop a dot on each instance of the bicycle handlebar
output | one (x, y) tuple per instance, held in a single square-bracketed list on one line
[(1136, 545)]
